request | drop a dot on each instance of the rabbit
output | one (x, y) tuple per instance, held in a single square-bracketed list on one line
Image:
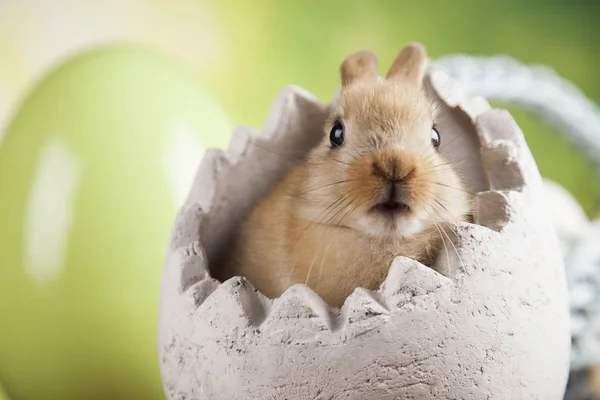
[(375, 188)]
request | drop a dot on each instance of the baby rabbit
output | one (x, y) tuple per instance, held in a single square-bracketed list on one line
[(376, 187)]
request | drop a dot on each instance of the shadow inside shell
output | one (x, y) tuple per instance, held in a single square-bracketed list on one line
[(255, 162)]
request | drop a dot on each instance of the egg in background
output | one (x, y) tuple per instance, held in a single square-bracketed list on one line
[(93, 168)]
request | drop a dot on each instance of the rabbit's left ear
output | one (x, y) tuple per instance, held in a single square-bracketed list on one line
[(409, 64), (361, 65)]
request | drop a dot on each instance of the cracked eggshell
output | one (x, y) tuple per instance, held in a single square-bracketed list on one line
[(494, 326)]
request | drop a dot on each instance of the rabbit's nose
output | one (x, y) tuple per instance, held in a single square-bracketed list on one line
[(393, 172), (395, 191), (394, 164)]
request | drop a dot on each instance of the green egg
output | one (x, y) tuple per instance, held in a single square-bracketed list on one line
[(93, 168)]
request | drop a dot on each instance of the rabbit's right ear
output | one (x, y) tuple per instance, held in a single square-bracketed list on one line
[(359, 65), (409, 64)]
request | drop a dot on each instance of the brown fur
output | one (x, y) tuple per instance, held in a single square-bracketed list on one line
[(410, 63), (318, 226), (360, 65)]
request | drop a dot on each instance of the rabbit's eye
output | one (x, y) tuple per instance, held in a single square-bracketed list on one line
[(336, 136), (435, 137)]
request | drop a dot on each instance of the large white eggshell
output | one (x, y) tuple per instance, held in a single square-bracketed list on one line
[(496, 326)]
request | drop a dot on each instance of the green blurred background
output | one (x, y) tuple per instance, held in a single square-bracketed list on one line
[(189, 70)]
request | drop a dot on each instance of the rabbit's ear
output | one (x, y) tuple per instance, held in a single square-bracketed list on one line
[(359, 65), (409, 64)]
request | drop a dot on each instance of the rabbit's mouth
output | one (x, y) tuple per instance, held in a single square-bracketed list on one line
[(391, 208), (392, 202), (390, 218)]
